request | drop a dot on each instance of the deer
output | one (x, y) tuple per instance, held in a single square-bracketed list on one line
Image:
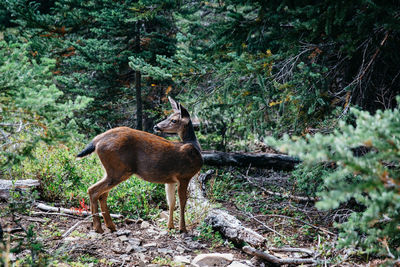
[(124, 152)]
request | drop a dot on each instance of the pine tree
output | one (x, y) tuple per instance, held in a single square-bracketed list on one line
[(92, 42)]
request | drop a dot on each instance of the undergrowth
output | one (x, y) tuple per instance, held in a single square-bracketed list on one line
[(65, 179)]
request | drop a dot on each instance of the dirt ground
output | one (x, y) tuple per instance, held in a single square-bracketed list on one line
[(285, 223)]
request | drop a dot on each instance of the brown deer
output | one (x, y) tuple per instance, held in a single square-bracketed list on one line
[(124, 151)]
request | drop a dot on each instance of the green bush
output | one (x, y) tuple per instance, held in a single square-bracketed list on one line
[(65, 179), (371, 178)]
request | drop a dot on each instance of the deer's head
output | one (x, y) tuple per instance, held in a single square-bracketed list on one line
[(175, 123)]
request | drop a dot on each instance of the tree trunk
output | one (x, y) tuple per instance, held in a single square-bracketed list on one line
[(138, 81), (259, 160)]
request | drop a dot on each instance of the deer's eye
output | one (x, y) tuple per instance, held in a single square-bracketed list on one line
[(173, 121)]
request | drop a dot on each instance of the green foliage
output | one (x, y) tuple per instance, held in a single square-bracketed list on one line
[(371, 178), (309, 178), (66, 180), (92, 42), (20, 202), (209, 235), (32, 108)]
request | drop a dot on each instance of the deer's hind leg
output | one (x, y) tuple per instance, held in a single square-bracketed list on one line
[(106, 213), (99, 191), (182, 193)]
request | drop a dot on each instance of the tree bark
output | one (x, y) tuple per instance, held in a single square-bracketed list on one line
[(259, 160), (138, 85)]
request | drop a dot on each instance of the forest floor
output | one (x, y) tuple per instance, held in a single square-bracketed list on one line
[(282, 221)]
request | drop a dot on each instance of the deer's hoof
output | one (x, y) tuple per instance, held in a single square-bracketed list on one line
[(183, 231), (112, 227), (99, 230)]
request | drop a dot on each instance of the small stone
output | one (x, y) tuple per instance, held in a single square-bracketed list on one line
[(150, 245), (144, 225), (93, 235), (163, 233), (181, 249), (164, 215), (125, 257), (165, 251), (213, 259), (123, 232), (12, 257), (237, 264), (129, 248), (135, 241), (139, 249), (123, 238), (182, 259)]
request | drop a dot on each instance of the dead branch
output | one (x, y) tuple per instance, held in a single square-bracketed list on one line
[(7, 185), (38, 213), (269, 192), (299, 220), (70, 230), (299, 250), (275, 260), (69, 211)]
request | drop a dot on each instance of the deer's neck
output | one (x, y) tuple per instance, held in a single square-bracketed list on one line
[(188, 136)]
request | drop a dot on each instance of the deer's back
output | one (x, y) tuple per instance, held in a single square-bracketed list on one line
[(153, 158)]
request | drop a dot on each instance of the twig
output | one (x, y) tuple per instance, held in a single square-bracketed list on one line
[(266, 226), (70, 230), (301, 250), (292, 197), (275, 260), (54, 213), (299, 220)]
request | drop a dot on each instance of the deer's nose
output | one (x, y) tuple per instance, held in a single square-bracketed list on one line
[(156, 129)]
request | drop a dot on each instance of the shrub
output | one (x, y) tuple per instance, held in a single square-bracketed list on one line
[(65, 179), (371, 178)]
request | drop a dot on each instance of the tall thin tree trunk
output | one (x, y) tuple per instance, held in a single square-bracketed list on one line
[(138, 80)]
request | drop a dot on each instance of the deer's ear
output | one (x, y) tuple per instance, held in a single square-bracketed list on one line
[(184, 112), (174, 104)]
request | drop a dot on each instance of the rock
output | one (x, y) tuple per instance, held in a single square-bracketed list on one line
[(144, 225), (164, 215), (125, 257), (165, 251), (182, 259), (162, 233), (181, 249), (129, 248), (93, 235), (213, 259), (123, 238), (123, 232), (150, 245), (135, 241), (237, 264)]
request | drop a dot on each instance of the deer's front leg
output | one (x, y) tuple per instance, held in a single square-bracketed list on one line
[(170, 192)]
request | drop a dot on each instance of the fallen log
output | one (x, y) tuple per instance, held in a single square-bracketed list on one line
[(7, 185), (221, 220), (259, 160)]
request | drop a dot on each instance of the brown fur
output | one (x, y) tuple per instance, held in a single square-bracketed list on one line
[(124, 151)]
